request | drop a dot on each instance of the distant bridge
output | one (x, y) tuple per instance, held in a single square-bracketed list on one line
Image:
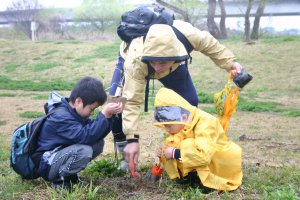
[(7, 17)]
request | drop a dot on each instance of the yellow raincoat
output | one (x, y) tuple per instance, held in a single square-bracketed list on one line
[(203, 147), (161, 42)]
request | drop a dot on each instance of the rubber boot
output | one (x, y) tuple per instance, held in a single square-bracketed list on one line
[(123, 164)]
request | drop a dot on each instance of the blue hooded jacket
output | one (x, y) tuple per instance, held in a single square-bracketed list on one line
[(65, 127)]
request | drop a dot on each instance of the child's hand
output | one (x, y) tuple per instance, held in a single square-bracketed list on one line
[(168, 152), (110, 109)]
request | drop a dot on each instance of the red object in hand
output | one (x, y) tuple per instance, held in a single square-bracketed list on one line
[(134, 173), (156, 169)]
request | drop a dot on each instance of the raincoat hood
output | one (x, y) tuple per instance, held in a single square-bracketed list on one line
[(161, 44), (169, 107)]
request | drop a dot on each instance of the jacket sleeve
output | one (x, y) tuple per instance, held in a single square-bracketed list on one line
[(135, 72), (72, 131), (198, 151), (205, 43)]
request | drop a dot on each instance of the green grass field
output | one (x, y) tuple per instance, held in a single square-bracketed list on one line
[(267, 117)]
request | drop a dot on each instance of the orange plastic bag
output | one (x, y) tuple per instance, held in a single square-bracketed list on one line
[(225, 102)]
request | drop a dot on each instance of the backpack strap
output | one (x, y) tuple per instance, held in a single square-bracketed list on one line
[(188, 46), (148, 77)]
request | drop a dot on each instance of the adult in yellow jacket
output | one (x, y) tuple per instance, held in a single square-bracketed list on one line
[(196, 143), (161, 55)]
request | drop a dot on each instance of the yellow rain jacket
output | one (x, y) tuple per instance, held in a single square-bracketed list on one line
[(161, 42), (203, 147)]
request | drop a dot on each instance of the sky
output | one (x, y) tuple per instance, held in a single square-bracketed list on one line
[(46, 3)]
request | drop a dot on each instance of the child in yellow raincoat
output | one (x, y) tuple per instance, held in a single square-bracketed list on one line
[(196, 144)]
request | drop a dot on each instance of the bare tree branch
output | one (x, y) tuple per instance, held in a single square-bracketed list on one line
[(183, 13)]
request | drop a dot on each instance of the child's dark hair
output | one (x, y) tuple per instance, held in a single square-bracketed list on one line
[(90, 90)]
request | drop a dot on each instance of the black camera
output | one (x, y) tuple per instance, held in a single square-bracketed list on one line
[(243, 78)]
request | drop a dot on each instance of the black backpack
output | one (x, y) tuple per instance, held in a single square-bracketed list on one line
[(136, 23)]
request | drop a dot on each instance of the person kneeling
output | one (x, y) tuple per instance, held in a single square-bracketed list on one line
[(196, 149)]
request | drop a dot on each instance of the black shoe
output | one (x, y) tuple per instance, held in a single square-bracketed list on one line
[(74, 179), (61, 185)]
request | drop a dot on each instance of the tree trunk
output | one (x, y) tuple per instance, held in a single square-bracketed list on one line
[(247, 21), (259, 13), (222, 21), (183, 13), (211, 24)]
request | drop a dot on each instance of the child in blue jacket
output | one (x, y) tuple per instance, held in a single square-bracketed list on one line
[(69, 139)]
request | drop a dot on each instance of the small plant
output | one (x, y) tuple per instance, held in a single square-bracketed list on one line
[(104, 168)]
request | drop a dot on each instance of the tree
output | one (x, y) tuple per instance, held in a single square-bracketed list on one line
[(22, 13), (247, 21), (259, 13), (100, 13), (223, 30), (211, 24), (189, 11)]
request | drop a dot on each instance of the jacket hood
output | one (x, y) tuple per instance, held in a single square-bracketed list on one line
[(169, 107), (161, 44)]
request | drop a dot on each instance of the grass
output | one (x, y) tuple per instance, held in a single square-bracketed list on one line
[(274, 91), (44, 66), (7, 95), (108, 52), (31, 114), (9, 84), (11, 67), (103, 169)]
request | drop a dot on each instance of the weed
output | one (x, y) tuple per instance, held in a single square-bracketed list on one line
[(11, 67), (50, 52), (104, 168), (7, 95), (36, 58), (44, 66), (31, 114)]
